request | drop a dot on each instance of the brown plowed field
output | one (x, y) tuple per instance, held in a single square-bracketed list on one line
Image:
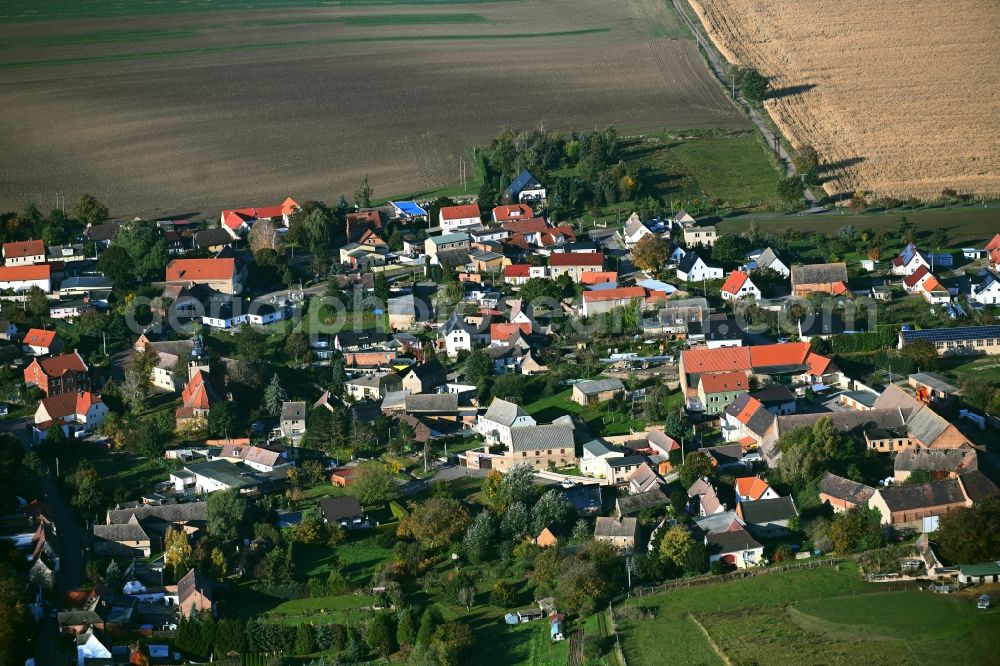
[(903, 98), (180, 112)]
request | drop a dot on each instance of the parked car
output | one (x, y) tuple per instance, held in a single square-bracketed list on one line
[(984, 602)]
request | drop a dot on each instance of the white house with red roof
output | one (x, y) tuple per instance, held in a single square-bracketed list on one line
[(78, 413), (519, 211), (23, 278), (739, 286), (913, 282), (459, 218), (40, 342), (238, 221), (24, 253), (753, 488)]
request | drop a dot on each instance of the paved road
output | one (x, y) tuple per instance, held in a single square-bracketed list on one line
[(720, 69)]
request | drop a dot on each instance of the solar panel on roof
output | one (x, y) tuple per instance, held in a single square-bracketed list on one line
[(952, 334)]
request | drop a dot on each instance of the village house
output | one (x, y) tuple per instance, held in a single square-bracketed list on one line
[(436, 247), (768, 517), (501, 419), (939, 463), (133, 530), (843, 494), (452, 219), (597, 391), (575, 264), (746, 420), (541, 446), (211, 476), (239, 221), (518, 211), (356, 224), (123, 540), (706, 498), (819, 278), (424, 377), (221, 275), (524, 188), (596, 454), (214, 240), (194, 594), (374, 386), (700, 236), (958, 340), (921, 505), (78, 413), (345, 511), (635, 230), (260, 459), (692, 268), (910, 260), (766, 259), (739, 286), (717, 391), (24, 253), (23, 278), (58, 374), (736, 548), (605, 300), (987, 290), (293, 420), (752, 489), (621, 533)]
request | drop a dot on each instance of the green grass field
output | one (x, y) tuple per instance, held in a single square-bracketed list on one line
[(736, 169), (599, 420), (28, 10), (825, 615), (967, 225)]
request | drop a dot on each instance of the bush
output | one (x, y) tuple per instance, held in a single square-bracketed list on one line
[(718, 568)]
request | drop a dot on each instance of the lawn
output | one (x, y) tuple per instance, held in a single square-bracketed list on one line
[(826, 615), (600, 420), (361, 557), (124, 476), (734, 168), (967, 226), (909, 627), (498, 644), (345, 608)]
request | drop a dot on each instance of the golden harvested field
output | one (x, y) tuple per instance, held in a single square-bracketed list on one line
[(163, 107), (903, 98)]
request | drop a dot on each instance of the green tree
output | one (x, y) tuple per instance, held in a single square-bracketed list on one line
[(435, 523), (428, 623), (675, 545), (89, 210), (305, 638), (37, 304), (479, 537), (177, 551), (452, 642), (517, 485), (373, 483), (651, 252), (971, 536), (274, 396), (296, 345), (382, 634), (223, 420), (363, 194), (730, 248), (580, 586), (536, 289), (923, 353), (87, 495), (810, 451), (406, 628), (551, 510), (478, 367), (516, 521), (752, 84), (805, 158), (791, 189), (145, 246), (382, 288), (226, 515), (116, 264), (856, 529), (251, 344), (696, 465)]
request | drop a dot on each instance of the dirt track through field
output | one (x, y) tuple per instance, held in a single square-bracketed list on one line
[(159, 115), (902, 98)]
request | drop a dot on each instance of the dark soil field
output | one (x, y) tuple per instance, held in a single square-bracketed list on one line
[(161, 108)]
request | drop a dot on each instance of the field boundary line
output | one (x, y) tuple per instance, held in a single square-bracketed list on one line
[(708, 637)]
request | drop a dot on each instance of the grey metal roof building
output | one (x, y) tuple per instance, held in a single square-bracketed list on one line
[(503, 412), (597, 386), (957, 334), (535, 438)]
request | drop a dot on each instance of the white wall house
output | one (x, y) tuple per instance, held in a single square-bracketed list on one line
[(457, 218), (498, 421), (693, 269), (739, 286), (635, 230), (595, 459), (987, 291), (23, 278)]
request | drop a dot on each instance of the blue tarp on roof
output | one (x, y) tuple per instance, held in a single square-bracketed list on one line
[(409, 208)]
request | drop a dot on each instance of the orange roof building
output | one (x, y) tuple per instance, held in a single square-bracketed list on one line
[(221, 274), (786, 359), (241, 219), (197, 397), (58, 374), (739, 285), (519, 211), (546, 539), (753, 488), (24, 277), (24, 253), (40, 341)]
